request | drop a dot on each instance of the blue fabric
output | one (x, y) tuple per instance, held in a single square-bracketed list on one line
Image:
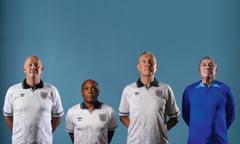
[(208, 111)]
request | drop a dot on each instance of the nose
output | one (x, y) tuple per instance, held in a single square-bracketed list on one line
[(91, 90), (149, 64), (33, 65), (210, 66)]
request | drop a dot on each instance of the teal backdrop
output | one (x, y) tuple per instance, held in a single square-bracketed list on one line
[(102, 39)]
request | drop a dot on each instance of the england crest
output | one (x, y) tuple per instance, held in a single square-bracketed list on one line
[(44, 95), (102, 116), (159, 93)]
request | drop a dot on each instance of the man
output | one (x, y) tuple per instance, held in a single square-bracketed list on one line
[(91, 122), (148, 107), (208, 107), (32, 109)]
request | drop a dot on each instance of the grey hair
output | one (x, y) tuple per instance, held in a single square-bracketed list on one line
[(209, 58)]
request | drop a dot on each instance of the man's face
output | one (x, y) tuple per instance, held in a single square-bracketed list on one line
[(207, 69), (90, 91), (147, 65), (33, 67)]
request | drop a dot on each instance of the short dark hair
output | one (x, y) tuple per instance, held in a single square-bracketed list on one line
[(209, 58), (90, 80)]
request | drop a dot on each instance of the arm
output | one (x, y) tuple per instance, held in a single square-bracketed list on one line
[(230, 109), (110, 135), (55, 122), (125, 120), (172, 122), (71, 136), (185, 108), (9, 121)]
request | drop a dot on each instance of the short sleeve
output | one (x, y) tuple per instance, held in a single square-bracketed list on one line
[(8, 106), (69, 123), (57, 110), (123, 106), (113, 121), (172, 108)]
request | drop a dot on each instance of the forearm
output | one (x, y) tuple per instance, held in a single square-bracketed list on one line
[(172, 122), (9, 121), (71, 137), (110, 135), (55, 123), (125, 120)]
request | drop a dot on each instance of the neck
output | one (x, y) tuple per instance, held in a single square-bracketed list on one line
[(32, 82), (147, 80), (208, 81), (90, 105)]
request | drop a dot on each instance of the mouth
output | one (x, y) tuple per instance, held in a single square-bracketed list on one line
[(33, 71), (209, 73), (91, 95)]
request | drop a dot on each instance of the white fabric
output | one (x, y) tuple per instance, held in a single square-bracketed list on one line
[(90, 127), (32, 111), (148, 109)]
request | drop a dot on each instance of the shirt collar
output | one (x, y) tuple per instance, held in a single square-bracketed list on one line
[(97, 105), (213, 84), (154, 83), (26, 86)]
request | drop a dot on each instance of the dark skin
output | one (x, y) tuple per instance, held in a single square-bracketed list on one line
[(9, 121), (90, 92)]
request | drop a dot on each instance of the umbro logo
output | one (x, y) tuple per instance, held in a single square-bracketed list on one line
[(79, 118), (136, 93), (22, 95)]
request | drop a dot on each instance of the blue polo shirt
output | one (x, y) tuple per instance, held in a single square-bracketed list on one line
[(208, 111)]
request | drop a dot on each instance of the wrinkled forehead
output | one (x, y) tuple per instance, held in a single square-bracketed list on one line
[(91, 83), (33, 59), (147, 56), (207, 60)]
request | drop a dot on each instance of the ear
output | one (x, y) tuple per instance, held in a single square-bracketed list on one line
[(42, 68), (138, 67)]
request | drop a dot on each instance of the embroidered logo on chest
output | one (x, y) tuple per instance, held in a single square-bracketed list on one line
[(136, 93), (102, 116), (79, 118), (44, 95), (159, 93)]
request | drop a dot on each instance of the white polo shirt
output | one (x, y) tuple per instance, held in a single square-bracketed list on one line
[(91, 127), (148, 109), (32, 111)]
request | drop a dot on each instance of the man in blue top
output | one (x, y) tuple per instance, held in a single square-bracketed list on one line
[(208, 107)]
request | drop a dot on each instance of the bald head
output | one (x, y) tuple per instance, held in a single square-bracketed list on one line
[(32, 59), (33, 69)]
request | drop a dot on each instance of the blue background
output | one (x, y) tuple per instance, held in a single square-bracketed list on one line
[(102, 39)]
